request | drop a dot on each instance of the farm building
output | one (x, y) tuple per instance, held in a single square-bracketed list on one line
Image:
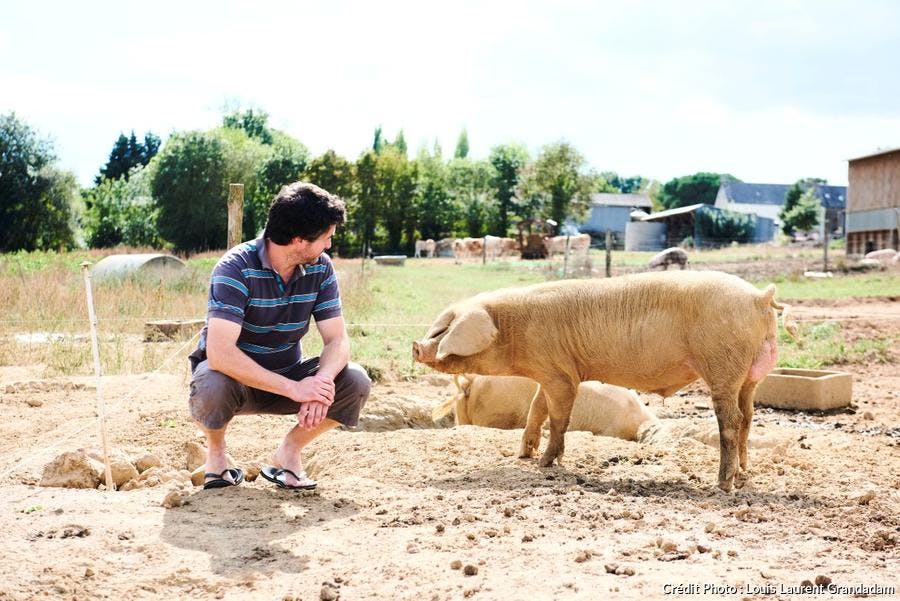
[(669, 228), (613, 212), (873, 202), (766, 200)]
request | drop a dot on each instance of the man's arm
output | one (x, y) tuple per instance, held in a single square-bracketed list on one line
[(224, 356), (336, 352), (334, 357)]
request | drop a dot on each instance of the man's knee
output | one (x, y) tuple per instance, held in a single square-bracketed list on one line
[(215, 398), (357, 380), (353, 387)]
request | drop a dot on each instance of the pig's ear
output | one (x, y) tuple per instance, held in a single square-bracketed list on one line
[(470, 333), (441, 324)]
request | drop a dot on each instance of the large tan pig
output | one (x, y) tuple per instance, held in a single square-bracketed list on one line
[(503, 402), (655, 332)]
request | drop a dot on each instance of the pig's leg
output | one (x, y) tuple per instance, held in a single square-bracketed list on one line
[(725, 402), (560, 398), (537, 415), (745, 404)]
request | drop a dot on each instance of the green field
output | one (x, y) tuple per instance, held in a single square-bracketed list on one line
[(385, 307)]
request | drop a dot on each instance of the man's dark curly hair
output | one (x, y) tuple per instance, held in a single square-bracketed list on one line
[(305, 210)]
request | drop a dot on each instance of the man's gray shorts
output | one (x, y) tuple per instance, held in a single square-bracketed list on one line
[(216, 398)]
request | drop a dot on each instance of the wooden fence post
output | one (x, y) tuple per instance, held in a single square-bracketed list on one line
[(608, 253), (235, 214)]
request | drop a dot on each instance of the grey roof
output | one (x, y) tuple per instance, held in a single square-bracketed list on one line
[(606, 199), (831, 197), (675, 211), (875, 154)]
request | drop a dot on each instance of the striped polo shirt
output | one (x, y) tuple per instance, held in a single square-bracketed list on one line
[(274, 315)]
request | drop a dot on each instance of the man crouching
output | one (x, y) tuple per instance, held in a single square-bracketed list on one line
[(249, 359)]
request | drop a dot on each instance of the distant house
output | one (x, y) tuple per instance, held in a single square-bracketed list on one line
[(873, 202), (612, 212), (669, 228), (766, 200)]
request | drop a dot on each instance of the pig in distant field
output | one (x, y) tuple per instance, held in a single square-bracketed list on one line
[(885, 255), (670, 256), (503, 402), (655, 332)]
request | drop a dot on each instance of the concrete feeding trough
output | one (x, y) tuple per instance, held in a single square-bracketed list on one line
[(118, 266), (805, 389), (397, 260)]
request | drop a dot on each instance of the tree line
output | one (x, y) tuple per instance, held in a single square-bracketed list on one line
[(173, 195)]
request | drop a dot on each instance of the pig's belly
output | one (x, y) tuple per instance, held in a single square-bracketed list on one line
[(665, 381)]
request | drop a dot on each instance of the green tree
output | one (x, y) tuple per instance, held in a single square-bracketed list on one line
[(462, 145), (624, 185), (377, 141), (400, 143), (471, 187), (692, 189), (128, 153), (804, 215), (718, 228), (336, 174), (38, 202), (792, 199), (435, 207), (151, 145), (366, 208), (255, 123), (55, 227), (508, 161), (396, 187), (189, 185), (283, 162), (561, 180), (121, 211)]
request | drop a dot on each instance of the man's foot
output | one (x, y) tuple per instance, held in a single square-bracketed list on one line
[(217, 469), (291, 474), (280, 477), (229, 477)]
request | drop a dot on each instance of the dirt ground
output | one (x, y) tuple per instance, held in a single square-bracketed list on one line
[(418, 513)]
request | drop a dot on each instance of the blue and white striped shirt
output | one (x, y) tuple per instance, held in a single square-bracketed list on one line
[(274, 315)]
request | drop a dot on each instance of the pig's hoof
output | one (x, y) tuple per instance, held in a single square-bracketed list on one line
[(741, 478), (547, 459), (726, 484), (526, 451), (528, 447)]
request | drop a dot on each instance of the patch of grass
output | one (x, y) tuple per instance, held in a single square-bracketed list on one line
[(32, 509), (859, 286), (823, 344), (168, 423)]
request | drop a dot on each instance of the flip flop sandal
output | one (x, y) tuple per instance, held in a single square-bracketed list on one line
[(276, 476), (220, 481)]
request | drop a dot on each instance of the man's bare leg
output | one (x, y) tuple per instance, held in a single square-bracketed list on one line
[(216, 463), (288, 454)]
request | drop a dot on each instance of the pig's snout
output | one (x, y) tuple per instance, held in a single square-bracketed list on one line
[(423, 352)]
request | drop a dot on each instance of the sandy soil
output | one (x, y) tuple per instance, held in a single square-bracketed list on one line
[(415, 513)]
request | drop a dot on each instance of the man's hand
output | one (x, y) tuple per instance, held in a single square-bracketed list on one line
[(314, 389), (311, 414)]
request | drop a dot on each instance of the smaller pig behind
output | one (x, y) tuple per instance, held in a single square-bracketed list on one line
[(504, 401)]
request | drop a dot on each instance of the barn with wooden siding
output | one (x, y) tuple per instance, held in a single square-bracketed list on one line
[(873, 202)]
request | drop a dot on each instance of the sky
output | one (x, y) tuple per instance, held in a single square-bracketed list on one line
[(769, 92)]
